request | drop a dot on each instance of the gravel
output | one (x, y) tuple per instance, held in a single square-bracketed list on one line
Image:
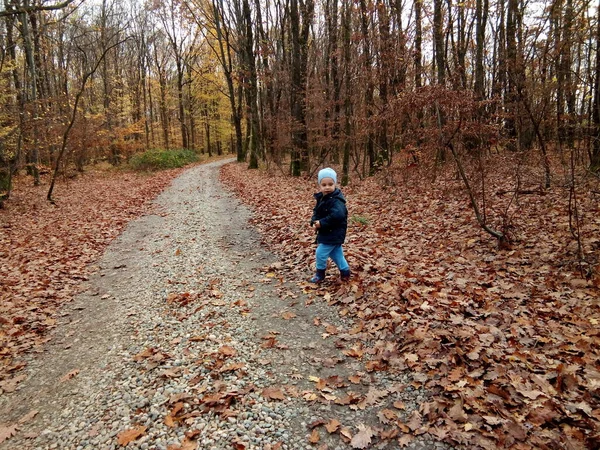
[(184, 292)]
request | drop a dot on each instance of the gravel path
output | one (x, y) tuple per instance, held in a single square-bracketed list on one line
[(188, 334)]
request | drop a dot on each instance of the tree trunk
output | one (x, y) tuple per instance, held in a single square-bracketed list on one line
[(347, 30), (225, 57), (438, 39), (418, 44), (369, 86), (33, 157), (481, 22), (385, 56), (299, 36), (251, 86), (595, 128)]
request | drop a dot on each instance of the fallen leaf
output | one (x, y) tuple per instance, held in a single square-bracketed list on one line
[(332, 426), (130, 435), (273, 393), (288, 315), (405, 440), (169, 421), (27, 417), (226, 350), (457, 413), (232, 367), (415, 421), (399, 405), (7, 431), (70, 375), (387, 416), (362, 439), (354, 379), (314, 436)]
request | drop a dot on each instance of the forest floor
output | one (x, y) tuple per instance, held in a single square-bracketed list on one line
[(194, 330)]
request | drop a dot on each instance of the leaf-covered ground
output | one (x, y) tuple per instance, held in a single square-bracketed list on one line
[(46, 249), (506, 341)]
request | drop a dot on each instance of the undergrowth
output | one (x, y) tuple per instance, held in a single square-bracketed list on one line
[(162, 159)]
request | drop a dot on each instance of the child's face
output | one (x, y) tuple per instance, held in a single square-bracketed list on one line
[(327, 186)]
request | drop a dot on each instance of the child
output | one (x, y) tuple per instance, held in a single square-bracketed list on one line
[(330, 218)]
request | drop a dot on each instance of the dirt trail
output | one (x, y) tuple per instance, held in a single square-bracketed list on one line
[(168, 295)]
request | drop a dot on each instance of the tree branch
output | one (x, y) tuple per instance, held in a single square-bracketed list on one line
[(11, 10)]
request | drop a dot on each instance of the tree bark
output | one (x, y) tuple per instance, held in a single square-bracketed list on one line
[(369, 87), (481, 22), (595, 128), (299, 36), (418, 44), (438, 39)]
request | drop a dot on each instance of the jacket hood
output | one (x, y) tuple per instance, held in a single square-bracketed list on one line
[(335, 194)]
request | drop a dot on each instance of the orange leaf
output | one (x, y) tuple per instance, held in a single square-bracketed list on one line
[(354, 379), (169, 421), (314, 436), (127, 436)]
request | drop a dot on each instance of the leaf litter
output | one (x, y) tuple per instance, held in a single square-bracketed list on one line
[(505, 342)]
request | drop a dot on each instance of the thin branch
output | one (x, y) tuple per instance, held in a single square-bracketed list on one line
[(74, 115), (11, 10)]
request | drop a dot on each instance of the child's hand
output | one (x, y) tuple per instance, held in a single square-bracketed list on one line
[(317, 224)]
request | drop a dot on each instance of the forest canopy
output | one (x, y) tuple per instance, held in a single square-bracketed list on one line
[(298, 83)]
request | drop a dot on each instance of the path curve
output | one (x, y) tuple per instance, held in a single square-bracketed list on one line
[(187, 333)]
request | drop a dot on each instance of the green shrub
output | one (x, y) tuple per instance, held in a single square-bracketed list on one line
[(162, 159)]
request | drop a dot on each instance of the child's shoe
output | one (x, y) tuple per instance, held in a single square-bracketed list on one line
[(319, 276), (345, 274)]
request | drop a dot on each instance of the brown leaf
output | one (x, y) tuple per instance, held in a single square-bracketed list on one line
[(7, 431), (169, 421), (146, 353), (226, 350), (332, 426), (70, 375), (354, 352), (273, 393), (314, 436), (11, 384), (288, 315), (130, 435), (354, 379), (27, 417), (457, 413), (232, 367), (405, 440), (399, 405), (387, 416), (362, 439), (414, 422), (331, 329)]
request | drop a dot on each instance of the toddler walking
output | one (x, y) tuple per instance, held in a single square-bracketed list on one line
[(330, 218)]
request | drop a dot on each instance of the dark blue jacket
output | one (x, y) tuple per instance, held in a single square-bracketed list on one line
[(332, 214)]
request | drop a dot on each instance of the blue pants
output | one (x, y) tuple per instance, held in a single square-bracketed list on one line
[(335, 252)]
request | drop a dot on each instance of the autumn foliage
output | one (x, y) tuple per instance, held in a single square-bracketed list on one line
[(505, 341)]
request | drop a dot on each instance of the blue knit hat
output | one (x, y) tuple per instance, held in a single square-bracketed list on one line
[(327, 172)]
